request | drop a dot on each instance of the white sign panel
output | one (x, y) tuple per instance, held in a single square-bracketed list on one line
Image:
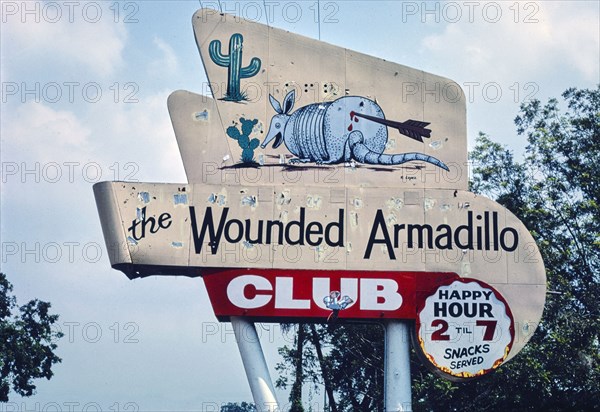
[(465, 328)]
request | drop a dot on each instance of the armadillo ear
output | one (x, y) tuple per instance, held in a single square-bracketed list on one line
[(275, 104), (288, 102)]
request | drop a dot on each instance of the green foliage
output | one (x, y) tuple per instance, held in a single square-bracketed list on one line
[(26, 343), (243, 138), (352, 364), (235, 407), (555, 192)]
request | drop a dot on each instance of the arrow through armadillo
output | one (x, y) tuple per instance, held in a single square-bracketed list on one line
[(411, 128)]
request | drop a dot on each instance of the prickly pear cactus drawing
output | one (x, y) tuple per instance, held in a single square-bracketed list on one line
[(243, 139), (233, 62)]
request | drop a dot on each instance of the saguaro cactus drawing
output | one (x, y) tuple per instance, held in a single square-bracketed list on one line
[(233, 62), (243, 139)]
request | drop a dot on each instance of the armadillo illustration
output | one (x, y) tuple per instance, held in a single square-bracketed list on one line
[(351, 127)]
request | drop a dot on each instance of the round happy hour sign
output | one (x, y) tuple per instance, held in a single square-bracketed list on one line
[(465, 328)]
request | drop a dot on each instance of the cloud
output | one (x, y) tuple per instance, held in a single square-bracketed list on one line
[(557, 37), (168, 63), (576, 38), (40, 132), (89, 39), (142, 133)]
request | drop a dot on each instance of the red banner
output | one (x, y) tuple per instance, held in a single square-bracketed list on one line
[(282, 295)]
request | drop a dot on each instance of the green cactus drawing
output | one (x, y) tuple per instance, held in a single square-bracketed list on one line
[(233, 62), (243, 139)]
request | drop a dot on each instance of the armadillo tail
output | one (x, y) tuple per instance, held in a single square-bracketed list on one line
[(363, 154)]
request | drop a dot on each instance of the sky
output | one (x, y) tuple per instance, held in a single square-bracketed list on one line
[(84, 99)]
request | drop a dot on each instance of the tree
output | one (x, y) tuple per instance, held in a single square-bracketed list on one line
[(26, 342), (555, 192), (235, 407), (347, 360)]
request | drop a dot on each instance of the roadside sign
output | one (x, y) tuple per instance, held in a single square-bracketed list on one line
[(326, 183)]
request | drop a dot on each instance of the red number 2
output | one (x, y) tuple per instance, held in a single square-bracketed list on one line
[(440, 333)]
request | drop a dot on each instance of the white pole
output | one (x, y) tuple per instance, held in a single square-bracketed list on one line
[(397, 367), (255, 365)]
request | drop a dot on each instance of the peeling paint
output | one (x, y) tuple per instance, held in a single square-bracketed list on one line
[(180, 199), (258, 128), (261, 159), (281, 159), (132, 240), (330, 90), (144, 197), (284, 197), (247, 245), (320, 251), (357, 203), (140, 214), (428, 204), (436, 144), (445, 207), (349, 248), (395, 203), (313, 201), (391, 144), (226, 157), (391, 219), (217, 199), (353, 219), (283, 216), (465, 269), (177, 244), (201, 116), (249, 201)]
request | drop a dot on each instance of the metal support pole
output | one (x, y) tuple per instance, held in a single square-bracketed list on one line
[(255, 365), (397, 367)]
